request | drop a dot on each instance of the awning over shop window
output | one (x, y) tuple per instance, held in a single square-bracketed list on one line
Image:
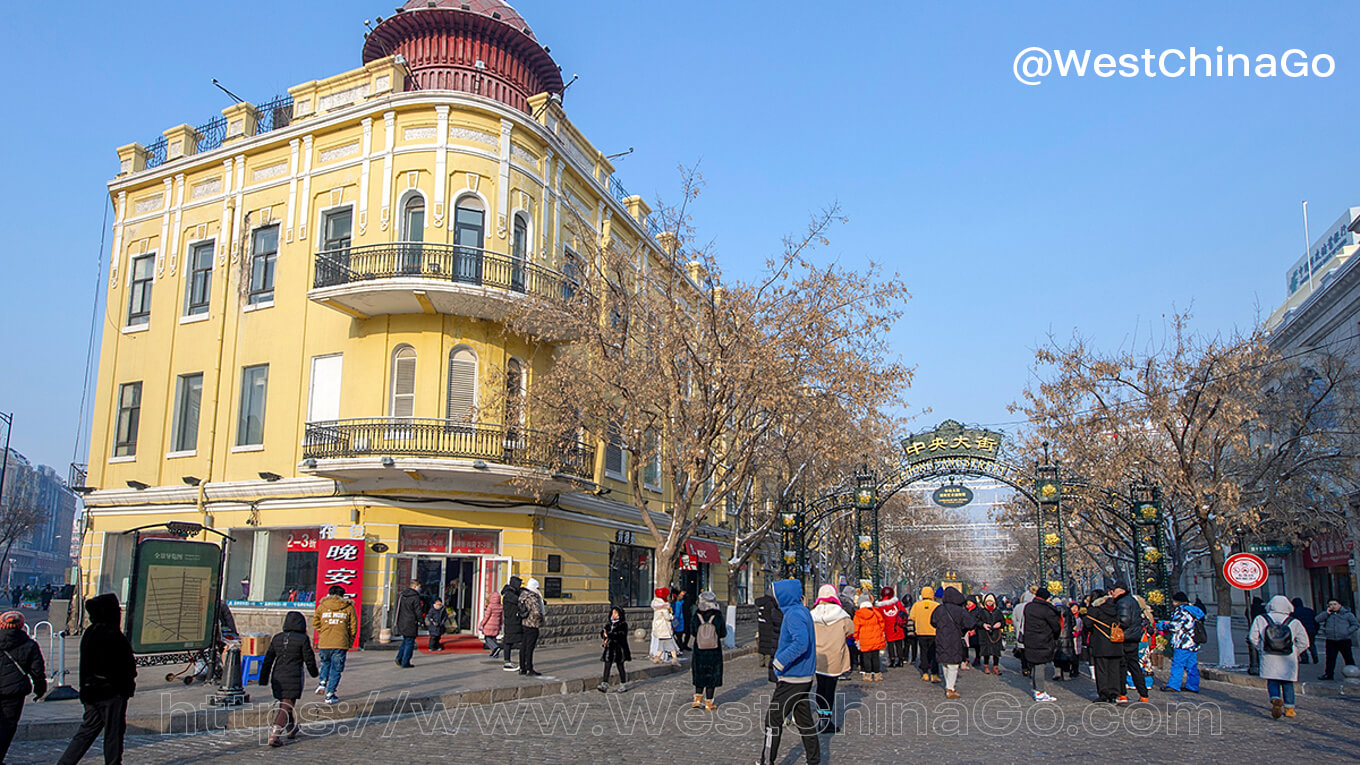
[(703, 552)]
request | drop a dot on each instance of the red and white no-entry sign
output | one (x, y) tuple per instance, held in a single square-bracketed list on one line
[(1245, 571)]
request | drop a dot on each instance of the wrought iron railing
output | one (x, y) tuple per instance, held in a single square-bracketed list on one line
[(425, 260), (271, 115), (616, 188), (452, 439), (77, 474)]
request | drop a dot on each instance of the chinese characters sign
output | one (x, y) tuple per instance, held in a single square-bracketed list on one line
[(951, 439), (448, 541), (341, 562)]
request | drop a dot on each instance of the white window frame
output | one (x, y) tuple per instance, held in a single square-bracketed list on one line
[(177, 416), (189, 279), (241, 416), (145, 320)]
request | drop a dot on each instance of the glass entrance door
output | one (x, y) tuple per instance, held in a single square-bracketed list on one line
[(495, 572)]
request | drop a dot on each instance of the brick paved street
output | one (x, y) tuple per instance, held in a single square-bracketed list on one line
[(899, 719)]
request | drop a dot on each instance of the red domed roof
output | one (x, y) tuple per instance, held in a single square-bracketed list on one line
[(475, 46)]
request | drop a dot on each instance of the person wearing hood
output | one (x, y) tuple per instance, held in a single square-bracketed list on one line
[(336, 627), (706, 667), (22, 674), (108, 678), (289, 653), (664, 648), (1337, 627), (833, 628), (1185, 650), (894, 625), (532, 614), (1018, 625), (849, 597), (871, 638), (489, 626), (1107, 654), (614, 636), (1279, 639), (795, 664), (768, 619), (1042, 631), (921, 612), (514, 630), (991, 622), (952, 623), (1309, 618), (410, 610)]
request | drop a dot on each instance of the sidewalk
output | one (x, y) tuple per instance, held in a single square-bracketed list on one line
[(372, 686), (1308, 684)]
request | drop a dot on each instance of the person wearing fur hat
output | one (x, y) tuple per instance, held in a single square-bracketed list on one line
[(22, 674), (532, 613), (833, 626), (894, 625), (871, 639), (108, 678), (709, 628)]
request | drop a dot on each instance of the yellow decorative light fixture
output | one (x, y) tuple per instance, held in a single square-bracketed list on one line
[(866, 542), (1051, 539), (789, 519), (1054, 586), (790, 556), (1156, 597)]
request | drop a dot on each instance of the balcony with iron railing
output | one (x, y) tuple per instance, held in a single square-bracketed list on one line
[(474, 454), (424, 277)]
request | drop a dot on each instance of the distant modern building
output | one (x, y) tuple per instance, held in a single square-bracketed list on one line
[(1321, 310), (44, 555)]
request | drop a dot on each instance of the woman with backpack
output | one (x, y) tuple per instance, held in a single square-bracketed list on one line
[(289, 653), (1279, 638), (709, 629)]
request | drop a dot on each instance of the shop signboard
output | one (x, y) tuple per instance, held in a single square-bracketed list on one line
[(1325, 550), (341, 562), (176, 586)]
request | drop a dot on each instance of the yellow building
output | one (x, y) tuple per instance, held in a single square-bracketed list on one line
[(303, 335)]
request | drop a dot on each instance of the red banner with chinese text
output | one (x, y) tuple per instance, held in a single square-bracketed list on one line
[(341, 562)]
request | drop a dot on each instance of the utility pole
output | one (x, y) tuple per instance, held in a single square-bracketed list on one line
[(8, 420)]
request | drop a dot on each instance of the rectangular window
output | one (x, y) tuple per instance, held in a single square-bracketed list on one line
[(139, 290), (651, 472), (188, 394), (335, 229), (250, 424), (630, 575), (129, 413), (199, 290), (264, 249), (613, 454)]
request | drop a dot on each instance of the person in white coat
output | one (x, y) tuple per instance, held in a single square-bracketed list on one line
[(1280, 638)]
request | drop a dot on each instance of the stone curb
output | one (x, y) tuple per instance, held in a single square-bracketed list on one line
[(259, 714)]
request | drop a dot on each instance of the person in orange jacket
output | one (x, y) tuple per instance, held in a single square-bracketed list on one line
[(925, 634), (871, 638)]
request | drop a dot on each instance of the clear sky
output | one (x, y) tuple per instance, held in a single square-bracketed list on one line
[(1013, 211)]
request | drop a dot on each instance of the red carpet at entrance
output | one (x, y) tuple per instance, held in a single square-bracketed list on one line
[(464, 643)]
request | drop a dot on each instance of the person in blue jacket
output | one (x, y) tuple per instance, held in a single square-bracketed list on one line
[(794, 666), (1185, 656)]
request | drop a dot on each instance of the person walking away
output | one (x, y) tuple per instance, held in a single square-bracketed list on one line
[(1018, 625), (21, 674), (768, 619), (1065, 659), (991, 622), (1187, 633), (833, 627), (1308, 618), (1254, 610), (1337, 627), (706, 667), (909, 642), (489, 626), (871, 638), (1079, 647), (664, 648), (794, 663), (434, 624), (1042, 631), (974, 643), (1129, 615), (409, 610), (108, 678), (532, 614), (336, 626), (850, 603), (925, 634), (678, 623), (894, 625), (1107, 647), (289, 653), (514, 629), (952, 623), (47, 597), (614, 635), (1280, 639)]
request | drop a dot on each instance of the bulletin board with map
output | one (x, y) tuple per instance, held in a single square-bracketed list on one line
[(176, 586)]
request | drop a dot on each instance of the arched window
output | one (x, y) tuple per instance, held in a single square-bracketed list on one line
[(514, 393), (413, 231), (403, 398), (519, 252), (462, 399), (469, 235)]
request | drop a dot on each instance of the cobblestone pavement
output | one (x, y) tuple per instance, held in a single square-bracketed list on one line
[(900, 719)]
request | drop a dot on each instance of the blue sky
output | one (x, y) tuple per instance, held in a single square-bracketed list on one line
[(1094, 205)]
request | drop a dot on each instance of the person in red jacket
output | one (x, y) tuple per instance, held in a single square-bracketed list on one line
[(894, 626)]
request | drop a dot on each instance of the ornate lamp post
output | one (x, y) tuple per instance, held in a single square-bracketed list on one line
[(791, 538), (1149, 545), (1052, 559), (869, 566)]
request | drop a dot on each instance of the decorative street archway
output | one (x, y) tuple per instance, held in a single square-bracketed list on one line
[(949, 450)]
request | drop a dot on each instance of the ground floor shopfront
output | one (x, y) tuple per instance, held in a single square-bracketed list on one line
[(584, 551)]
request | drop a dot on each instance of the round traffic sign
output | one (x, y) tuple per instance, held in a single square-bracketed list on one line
[(1245, 571)]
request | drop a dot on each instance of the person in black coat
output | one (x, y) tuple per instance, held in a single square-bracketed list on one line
[(991, 625), (614, 636), (1257, 608), (1043, 629), (952, 622), (434, 624), (1131, 619), (769, 618), (289, 652), (1107, 656), (514, 629), (22, 674), (1308, 618), (108, 678), (410, 609), (707, 665)]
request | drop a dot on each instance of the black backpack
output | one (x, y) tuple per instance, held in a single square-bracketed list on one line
[(1277, 639), (1200, 635)]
